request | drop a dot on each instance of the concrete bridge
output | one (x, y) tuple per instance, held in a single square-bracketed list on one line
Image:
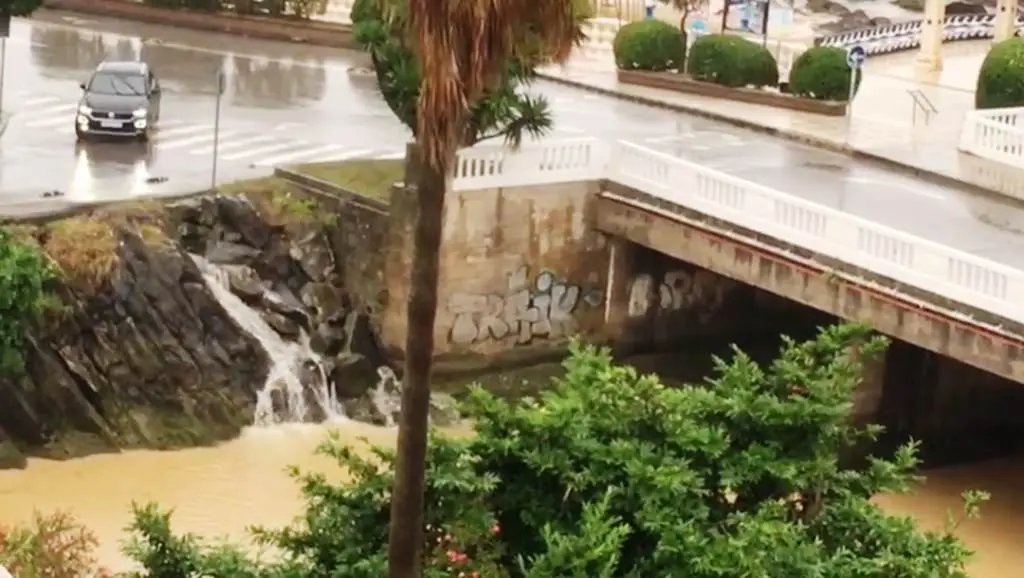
[(631, 247)]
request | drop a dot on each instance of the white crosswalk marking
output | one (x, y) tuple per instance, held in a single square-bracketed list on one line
[(200, 139), (259, 147), (259, 151), (226, 146), (54, 115), (41, 100), (296, 155), (162, 133)]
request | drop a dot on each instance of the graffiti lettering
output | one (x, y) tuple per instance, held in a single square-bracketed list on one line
[(701, 292), (524, 311)]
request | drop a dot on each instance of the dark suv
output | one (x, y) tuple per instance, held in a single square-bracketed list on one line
[(121, 99)]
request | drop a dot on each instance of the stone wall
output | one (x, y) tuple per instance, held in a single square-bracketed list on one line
[(657, 301), (522, 271)]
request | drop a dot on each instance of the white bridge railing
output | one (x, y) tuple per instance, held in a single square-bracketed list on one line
[(964, 278), (996, 134)]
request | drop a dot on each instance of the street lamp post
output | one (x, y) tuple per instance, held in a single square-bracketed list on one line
[(216, 129)]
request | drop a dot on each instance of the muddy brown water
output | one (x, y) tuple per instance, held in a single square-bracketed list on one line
[(222, 490)]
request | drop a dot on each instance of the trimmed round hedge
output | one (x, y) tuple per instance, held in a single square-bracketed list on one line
[(649, 45), (732, 61), (821, 73), (1001, 77)]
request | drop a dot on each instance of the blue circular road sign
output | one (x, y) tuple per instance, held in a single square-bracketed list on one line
[(856, 55)]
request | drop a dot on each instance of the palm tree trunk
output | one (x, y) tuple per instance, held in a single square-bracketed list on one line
[(406, 530)]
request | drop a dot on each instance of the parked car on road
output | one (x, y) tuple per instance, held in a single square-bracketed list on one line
[(121, 99)]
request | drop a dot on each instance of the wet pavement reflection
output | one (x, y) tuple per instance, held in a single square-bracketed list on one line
[(292, 103)]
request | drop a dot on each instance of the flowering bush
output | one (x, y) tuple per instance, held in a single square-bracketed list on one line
[(610, 474), (50, 546)]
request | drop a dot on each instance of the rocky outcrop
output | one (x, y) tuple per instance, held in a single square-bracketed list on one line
[(149, 359), (217, 312)]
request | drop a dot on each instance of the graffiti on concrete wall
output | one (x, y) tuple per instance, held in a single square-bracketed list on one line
[(699, 292), (543, 307)]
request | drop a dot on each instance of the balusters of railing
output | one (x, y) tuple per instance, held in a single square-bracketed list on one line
[(921, 101)]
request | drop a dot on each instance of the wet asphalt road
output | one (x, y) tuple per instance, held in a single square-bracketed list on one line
[(287, 103)]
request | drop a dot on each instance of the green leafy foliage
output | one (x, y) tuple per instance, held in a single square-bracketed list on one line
[(732, 61), (649, 45), (507, 111), (611, 474), (24, 296), (821, 73), (50, 546), (1000, 79), (21, 7)]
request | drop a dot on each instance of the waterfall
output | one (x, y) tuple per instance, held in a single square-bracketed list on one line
[(285, 396)]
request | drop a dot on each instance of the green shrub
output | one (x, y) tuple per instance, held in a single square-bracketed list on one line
[(364, 11), (54, 546), (821, 73), (1001, 78), (25, 296), (611, 474), (732, 61), (763, 68), (649, 45)]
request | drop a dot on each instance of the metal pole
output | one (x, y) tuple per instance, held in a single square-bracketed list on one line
[(216, 131), (3, 65), (853, 89)]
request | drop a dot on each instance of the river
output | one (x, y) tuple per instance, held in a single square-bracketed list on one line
[(220, 491)]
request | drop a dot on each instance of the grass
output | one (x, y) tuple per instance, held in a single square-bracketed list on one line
[(84, 246), (371, 178)]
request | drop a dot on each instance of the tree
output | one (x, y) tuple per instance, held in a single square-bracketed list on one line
[(685, 8), (504, 111), (20, 7), (611, 474), (449, 69)]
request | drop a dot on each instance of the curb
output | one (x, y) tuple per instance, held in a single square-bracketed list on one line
[(801, 138)]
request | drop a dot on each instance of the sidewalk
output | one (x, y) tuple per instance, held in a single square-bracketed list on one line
[(882, 128)]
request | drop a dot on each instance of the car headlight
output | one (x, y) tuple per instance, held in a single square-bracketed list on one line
[(82, 109), (140, 113)]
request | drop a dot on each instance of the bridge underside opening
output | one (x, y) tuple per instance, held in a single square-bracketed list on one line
[(684, 288)]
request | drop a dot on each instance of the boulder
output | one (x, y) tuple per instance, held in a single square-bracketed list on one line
[(284, 326), (327, 339), (281, 300), (244, 283), (313, 254), (227, 253), (237, 214), (352, 375), (328, 303)]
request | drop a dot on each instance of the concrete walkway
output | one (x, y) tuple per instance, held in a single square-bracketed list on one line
[(883, 126)]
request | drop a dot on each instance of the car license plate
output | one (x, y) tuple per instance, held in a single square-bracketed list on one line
[(111, 124)]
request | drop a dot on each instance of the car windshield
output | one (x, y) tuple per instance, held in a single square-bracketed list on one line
[(121, 84)]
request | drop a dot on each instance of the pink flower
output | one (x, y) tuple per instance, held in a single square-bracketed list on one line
[(495, 529)]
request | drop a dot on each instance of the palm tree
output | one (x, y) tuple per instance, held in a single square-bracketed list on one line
[(463, 49)]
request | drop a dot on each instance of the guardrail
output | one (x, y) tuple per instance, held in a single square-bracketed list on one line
[(931, 267), (907, 35), (486, 166), (996, 134)]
